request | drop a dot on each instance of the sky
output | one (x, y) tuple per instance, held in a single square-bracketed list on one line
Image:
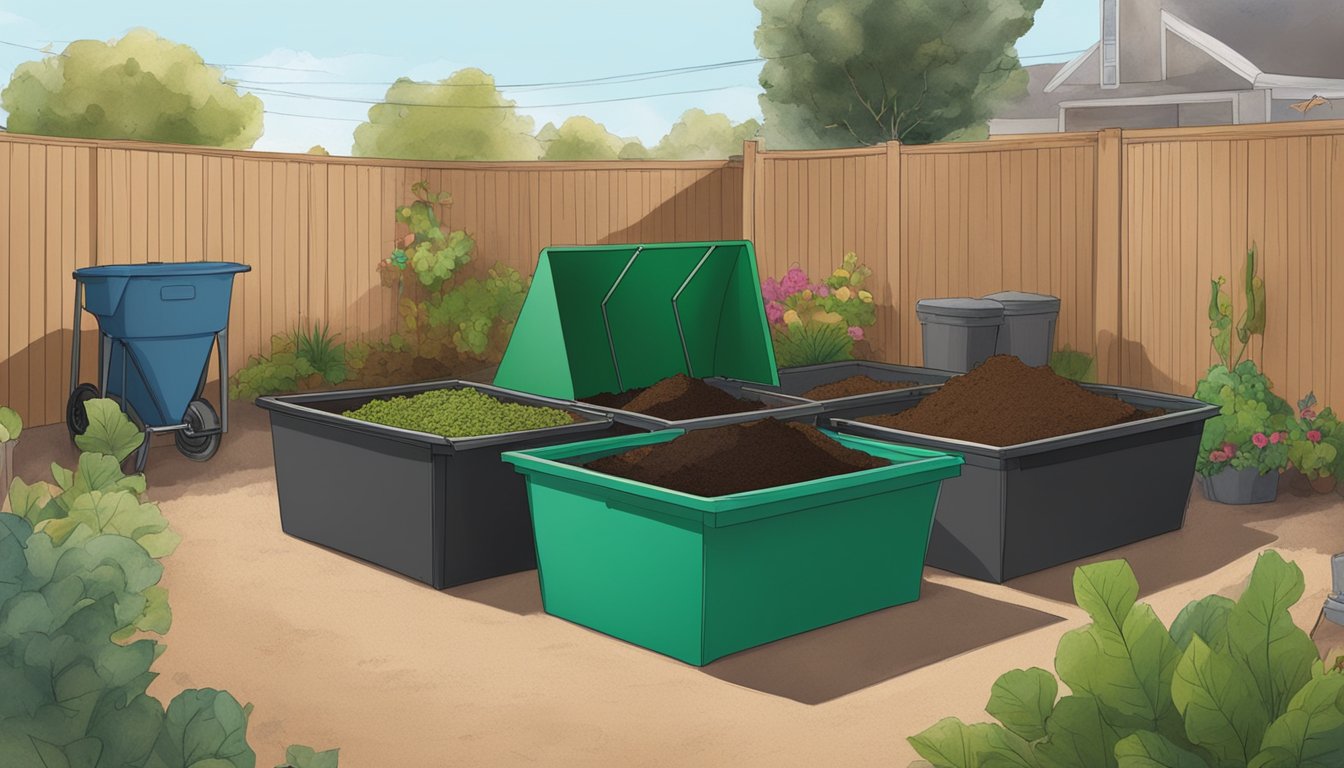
[(353, 50)]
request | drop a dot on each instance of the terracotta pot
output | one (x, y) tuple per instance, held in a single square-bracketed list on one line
[(1295, 483), (1323, 484)]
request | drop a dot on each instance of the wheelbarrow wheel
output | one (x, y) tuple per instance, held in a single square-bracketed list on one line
[(76, 416), (201, 416), (133, 464)]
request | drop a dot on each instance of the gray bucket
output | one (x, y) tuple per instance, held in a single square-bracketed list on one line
[(958, 334), (1028, 330)]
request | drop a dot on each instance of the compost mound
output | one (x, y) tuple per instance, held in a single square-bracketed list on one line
[(854, 385), (676, 398), (737, 458), (1004, 401)]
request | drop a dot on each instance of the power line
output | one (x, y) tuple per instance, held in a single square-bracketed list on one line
[(313, 117), (500, 106)]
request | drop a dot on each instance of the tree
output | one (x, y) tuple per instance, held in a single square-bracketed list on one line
[(139, 87), (318, 149), (463, 117), (581, 138), (856, 72), (700, 136)]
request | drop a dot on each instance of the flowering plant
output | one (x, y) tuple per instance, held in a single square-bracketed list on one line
[(1315, 441), (818, 323), (1251, 429)]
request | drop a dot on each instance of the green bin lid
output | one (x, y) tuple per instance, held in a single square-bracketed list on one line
[(608, 318)]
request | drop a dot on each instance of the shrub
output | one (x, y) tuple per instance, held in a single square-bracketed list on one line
[(294, 358), (1315, 440), (79, 574), (1231, 683), (1250, 429), (819, 323)]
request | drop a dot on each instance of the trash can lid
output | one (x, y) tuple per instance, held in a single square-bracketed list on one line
[(609, 318), (1022, 303), (163, 269), (960, 307)]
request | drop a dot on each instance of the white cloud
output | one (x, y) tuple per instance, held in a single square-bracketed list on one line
[(11, 18)]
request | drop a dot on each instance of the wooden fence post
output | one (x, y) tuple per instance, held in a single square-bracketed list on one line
[(749, 149), (896, 272), (1110, 253)]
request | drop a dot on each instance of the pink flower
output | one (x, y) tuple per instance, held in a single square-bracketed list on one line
[(1217, 456), (1314, 435), (1308, 414), (1274, 437), (1229, 449), (856, 333), (824, 290), (774, 312), (1260, 439), (770, 290)]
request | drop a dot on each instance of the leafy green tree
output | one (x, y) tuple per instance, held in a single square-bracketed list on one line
[(862, 72), (581, 138), (700, 136), (139, 87), (463, 117), (318, 149)]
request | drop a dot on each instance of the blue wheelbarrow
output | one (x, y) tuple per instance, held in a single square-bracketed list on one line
[(157, 325)]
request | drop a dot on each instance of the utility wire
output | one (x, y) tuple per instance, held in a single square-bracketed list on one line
[(371, 102)]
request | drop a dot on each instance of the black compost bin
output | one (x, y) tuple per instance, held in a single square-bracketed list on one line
[(799, 380), (444, 511), (1023, 508)]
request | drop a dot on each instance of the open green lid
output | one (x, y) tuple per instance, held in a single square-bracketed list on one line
[(607, 318)]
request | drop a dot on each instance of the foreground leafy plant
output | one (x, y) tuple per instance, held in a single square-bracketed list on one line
[(301, 355), (79, 573), (1315, 440), (1232, 683)]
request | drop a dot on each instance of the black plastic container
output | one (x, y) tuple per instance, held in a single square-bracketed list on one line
[(1023, 508), (801, 379), (778, 406), (444, 511)]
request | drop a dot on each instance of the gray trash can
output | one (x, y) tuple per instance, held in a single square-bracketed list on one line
[(1028, 330), (958, 334)]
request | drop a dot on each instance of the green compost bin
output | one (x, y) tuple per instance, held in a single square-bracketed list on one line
[(698, 578), (608, 318)]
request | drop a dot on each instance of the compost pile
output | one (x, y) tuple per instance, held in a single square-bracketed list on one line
[(459, 413), (737, 458), (1004, 401), (676, 398), (854, 385)]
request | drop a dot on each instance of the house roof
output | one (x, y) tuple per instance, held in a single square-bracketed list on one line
[(1283, 37)]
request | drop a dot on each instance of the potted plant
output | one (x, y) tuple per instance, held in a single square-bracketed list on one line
[(1314, 444), (1245, 446), (819, 323)]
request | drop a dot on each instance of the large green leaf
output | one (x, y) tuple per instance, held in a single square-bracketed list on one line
[(1261, 634), (1022, 699), (1077, 736), (1206, 618), (122, 513), (110, 432), (299, 756), (1125, 658), (1216, 696), (1145, 749), (14, 534), (1311, 733), (11, 426), (203, 728), (31, 502), (950, 743), (95, 472)]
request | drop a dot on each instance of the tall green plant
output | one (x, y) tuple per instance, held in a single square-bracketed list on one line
[(1252, 321), (80, 603), (1231, 683)]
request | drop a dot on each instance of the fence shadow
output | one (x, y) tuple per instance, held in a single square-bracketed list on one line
[(677, 218), (827, 663)]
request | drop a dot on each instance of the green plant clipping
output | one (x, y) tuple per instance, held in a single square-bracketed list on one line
[(1073, 365), (458, 413), (1232, 683), (299, 756)]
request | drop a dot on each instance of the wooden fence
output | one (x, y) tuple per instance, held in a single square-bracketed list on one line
[(1126, 227)]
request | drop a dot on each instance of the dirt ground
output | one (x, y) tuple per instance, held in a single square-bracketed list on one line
[(336, 653)]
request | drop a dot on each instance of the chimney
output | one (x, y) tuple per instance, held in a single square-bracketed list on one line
[(1131, 42)]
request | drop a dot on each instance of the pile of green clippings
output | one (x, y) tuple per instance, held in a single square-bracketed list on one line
[(458, 413)]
